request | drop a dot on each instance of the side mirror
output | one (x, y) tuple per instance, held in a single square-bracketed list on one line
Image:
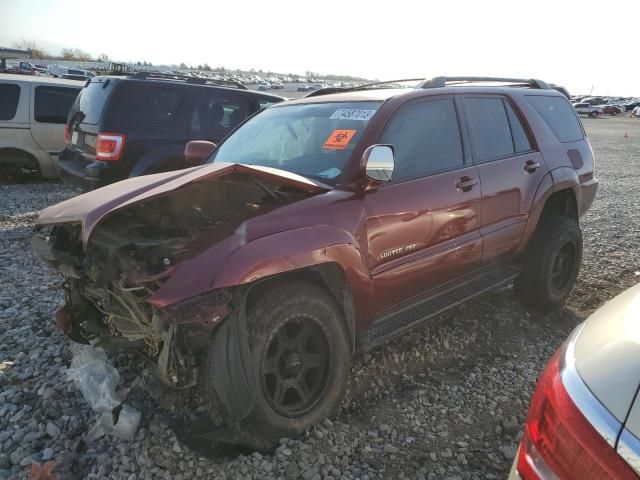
[(197, 151), (378, 163)]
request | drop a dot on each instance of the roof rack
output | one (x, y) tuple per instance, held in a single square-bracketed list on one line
[(329, 90), (439, 82), (187, 79)]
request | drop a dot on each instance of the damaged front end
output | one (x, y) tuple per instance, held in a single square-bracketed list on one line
[(133, 250)]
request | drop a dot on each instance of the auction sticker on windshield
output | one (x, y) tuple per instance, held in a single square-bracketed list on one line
[(339, 139), (352, 114)]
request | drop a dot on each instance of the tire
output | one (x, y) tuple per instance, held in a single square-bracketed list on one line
[(284, 363), (550, 263)]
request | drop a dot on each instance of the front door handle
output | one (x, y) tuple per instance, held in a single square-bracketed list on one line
[(531, 166), (464, 184)]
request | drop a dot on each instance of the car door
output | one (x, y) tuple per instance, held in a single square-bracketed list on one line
[(510, 169), (423, 226)]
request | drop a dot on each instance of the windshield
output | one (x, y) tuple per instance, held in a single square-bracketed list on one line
[(313, 140)]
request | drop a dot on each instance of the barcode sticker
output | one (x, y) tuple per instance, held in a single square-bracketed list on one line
[(352, 114)]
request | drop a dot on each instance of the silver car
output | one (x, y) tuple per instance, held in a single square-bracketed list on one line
[(33, 116), (584, 418)]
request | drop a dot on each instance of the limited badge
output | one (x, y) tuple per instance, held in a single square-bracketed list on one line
[(339, 139)]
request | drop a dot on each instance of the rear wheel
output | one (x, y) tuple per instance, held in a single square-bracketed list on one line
[(551, 263), (301, 355)]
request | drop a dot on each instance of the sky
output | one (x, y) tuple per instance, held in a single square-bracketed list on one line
[(584, 45)]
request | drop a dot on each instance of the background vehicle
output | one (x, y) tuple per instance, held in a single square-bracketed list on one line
[(303, 88), (636, 112), (612, 109), (123, 127), (587, 109), (33, 112), (322, 225), (78, 73), (584, 419), (277, 85), (264, 86)]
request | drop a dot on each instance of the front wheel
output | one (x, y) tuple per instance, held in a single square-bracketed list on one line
[(301, 361), (550, 263)]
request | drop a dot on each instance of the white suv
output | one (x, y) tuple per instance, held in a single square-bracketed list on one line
[(33, 115)]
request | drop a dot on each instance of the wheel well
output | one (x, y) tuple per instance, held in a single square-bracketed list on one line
[(328, 276), (19, 157), (561, 203)]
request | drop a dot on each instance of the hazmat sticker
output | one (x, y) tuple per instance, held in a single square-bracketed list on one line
[(352, 114), (339, 139)]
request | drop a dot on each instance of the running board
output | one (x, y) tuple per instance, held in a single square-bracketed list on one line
[(440, 299)]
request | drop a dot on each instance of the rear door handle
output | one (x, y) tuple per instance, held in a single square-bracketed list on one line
[(531, 166), (465, 184)]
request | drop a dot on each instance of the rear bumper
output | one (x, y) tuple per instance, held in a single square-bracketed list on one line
[(80, 173)]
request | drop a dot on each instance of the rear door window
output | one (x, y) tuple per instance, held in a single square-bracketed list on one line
[(52, 104), (149, 105), (9, 97), (558, 114), (521, 141), (489, 125), (216, 113)]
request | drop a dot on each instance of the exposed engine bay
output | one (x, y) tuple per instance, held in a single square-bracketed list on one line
[(134, 250)]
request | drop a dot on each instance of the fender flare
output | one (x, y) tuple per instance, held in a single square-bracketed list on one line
[(544, 191), (151, 162), (233, 262)]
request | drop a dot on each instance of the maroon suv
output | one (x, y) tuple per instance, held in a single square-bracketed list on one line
[(323, 226)]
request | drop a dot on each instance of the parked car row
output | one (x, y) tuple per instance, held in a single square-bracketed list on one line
[(114, 127)]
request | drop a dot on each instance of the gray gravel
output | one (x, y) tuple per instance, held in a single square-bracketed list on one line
[(446, 401)]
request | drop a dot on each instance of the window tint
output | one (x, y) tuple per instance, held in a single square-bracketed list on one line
[(489, 127), (52, 104), (149, 105), (520, 140), (9, 96), (91, 101), (216, 114), (425, 137), (559, 115)]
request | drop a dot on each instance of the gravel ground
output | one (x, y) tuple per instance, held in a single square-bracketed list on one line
[(445, 401)]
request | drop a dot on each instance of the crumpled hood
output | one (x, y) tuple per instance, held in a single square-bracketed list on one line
[(90, 208), (607, 352)]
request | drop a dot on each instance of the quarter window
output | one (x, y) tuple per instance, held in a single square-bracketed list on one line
[(558, 114), (52, 104), (426, 139), (9, 97)]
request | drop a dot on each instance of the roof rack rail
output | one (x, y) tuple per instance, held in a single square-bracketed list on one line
[(439, 82), (330, 90), (187, 79)]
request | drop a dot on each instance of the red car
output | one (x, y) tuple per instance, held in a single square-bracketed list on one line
[(320, 227), (611, 109)]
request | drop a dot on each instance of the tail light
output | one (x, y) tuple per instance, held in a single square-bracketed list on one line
[(109, 146), (559, 442), (66, 134)]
